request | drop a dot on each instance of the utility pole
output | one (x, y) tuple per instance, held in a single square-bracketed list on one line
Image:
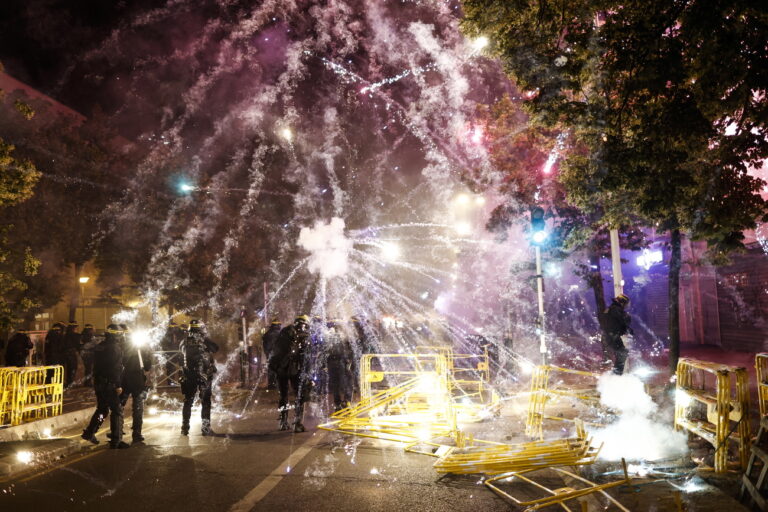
[(244, 362), (542, 314), (538, 237), (618, 279)]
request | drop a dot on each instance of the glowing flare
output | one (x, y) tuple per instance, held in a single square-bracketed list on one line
[(462, 228), (390, 251), (140, 338), (24, 457), (682, 398), (479, 43)]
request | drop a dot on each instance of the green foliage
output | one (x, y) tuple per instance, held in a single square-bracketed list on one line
[(25, 109), (17, 176), (664, 102), (641, 90)]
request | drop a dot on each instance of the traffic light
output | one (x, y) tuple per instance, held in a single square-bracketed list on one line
[(538, 226)]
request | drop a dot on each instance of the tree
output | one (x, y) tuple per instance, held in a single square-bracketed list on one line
[(82, 166), (655, 122), (18, 177)]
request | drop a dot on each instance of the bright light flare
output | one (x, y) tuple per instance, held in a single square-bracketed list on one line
[(287, 134), (479, 43), (526, 367), (84, 280), (539, 236), (186, 187), (47, 432), (428, 383), (152, 411), (24, 457), (462, 199), (140, 338), (550, 163), (644, 372), (462, 228), (682, 398), (479, 200), (424, 434), (390, 251)]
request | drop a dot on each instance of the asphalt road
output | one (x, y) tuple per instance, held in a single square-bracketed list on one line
[(248, 465)]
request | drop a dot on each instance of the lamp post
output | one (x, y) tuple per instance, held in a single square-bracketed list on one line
[(83, 280), (538, 237)]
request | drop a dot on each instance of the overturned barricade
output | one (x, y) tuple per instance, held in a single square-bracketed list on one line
[(501, 458), (404, 398)]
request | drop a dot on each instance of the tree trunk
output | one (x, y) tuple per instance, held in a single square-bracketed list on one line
[(596, 283), (74, 294), (674, 299)]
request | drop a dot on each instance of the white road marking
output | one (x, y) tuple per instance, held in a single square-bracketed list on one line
[(265, 486)]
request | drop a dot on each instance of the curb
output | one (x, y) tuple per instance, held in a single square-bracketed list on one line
[(42, 455), (46, 427)]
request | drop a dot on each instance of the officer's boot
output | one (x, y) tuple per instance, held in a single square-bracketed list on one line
[(206, 428), (93, 426), (298, 426), (284, 419), (116, 431)]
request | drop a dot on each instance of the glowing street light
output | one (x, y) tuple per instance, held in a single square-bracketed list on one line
[(480, 200), (539, 237), (84, 280), (287, 134)]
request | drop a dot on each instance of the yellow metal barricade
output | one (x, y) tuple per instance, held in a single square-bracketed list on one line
[(556, 496), (404, 398), (761, 365), (30, 393), (542, 392), (712, 401), (502, 458), (8, 379), (474, 399)]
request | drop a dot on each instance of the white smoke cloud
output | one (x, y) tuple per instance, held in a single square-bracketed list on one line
[(636, 435), (329, 248)]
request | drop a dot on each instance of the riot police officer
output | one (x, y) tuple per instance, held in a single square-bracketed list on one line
[(137, 360), (339, 360), (87, 344), (71, 351), (268, 340), (108, 377), (199, 368), (18, 349), (290, 362)]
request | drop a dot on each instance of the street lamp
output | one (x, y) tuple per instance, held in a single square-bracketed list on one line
[(287, 134), (83, 280)]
